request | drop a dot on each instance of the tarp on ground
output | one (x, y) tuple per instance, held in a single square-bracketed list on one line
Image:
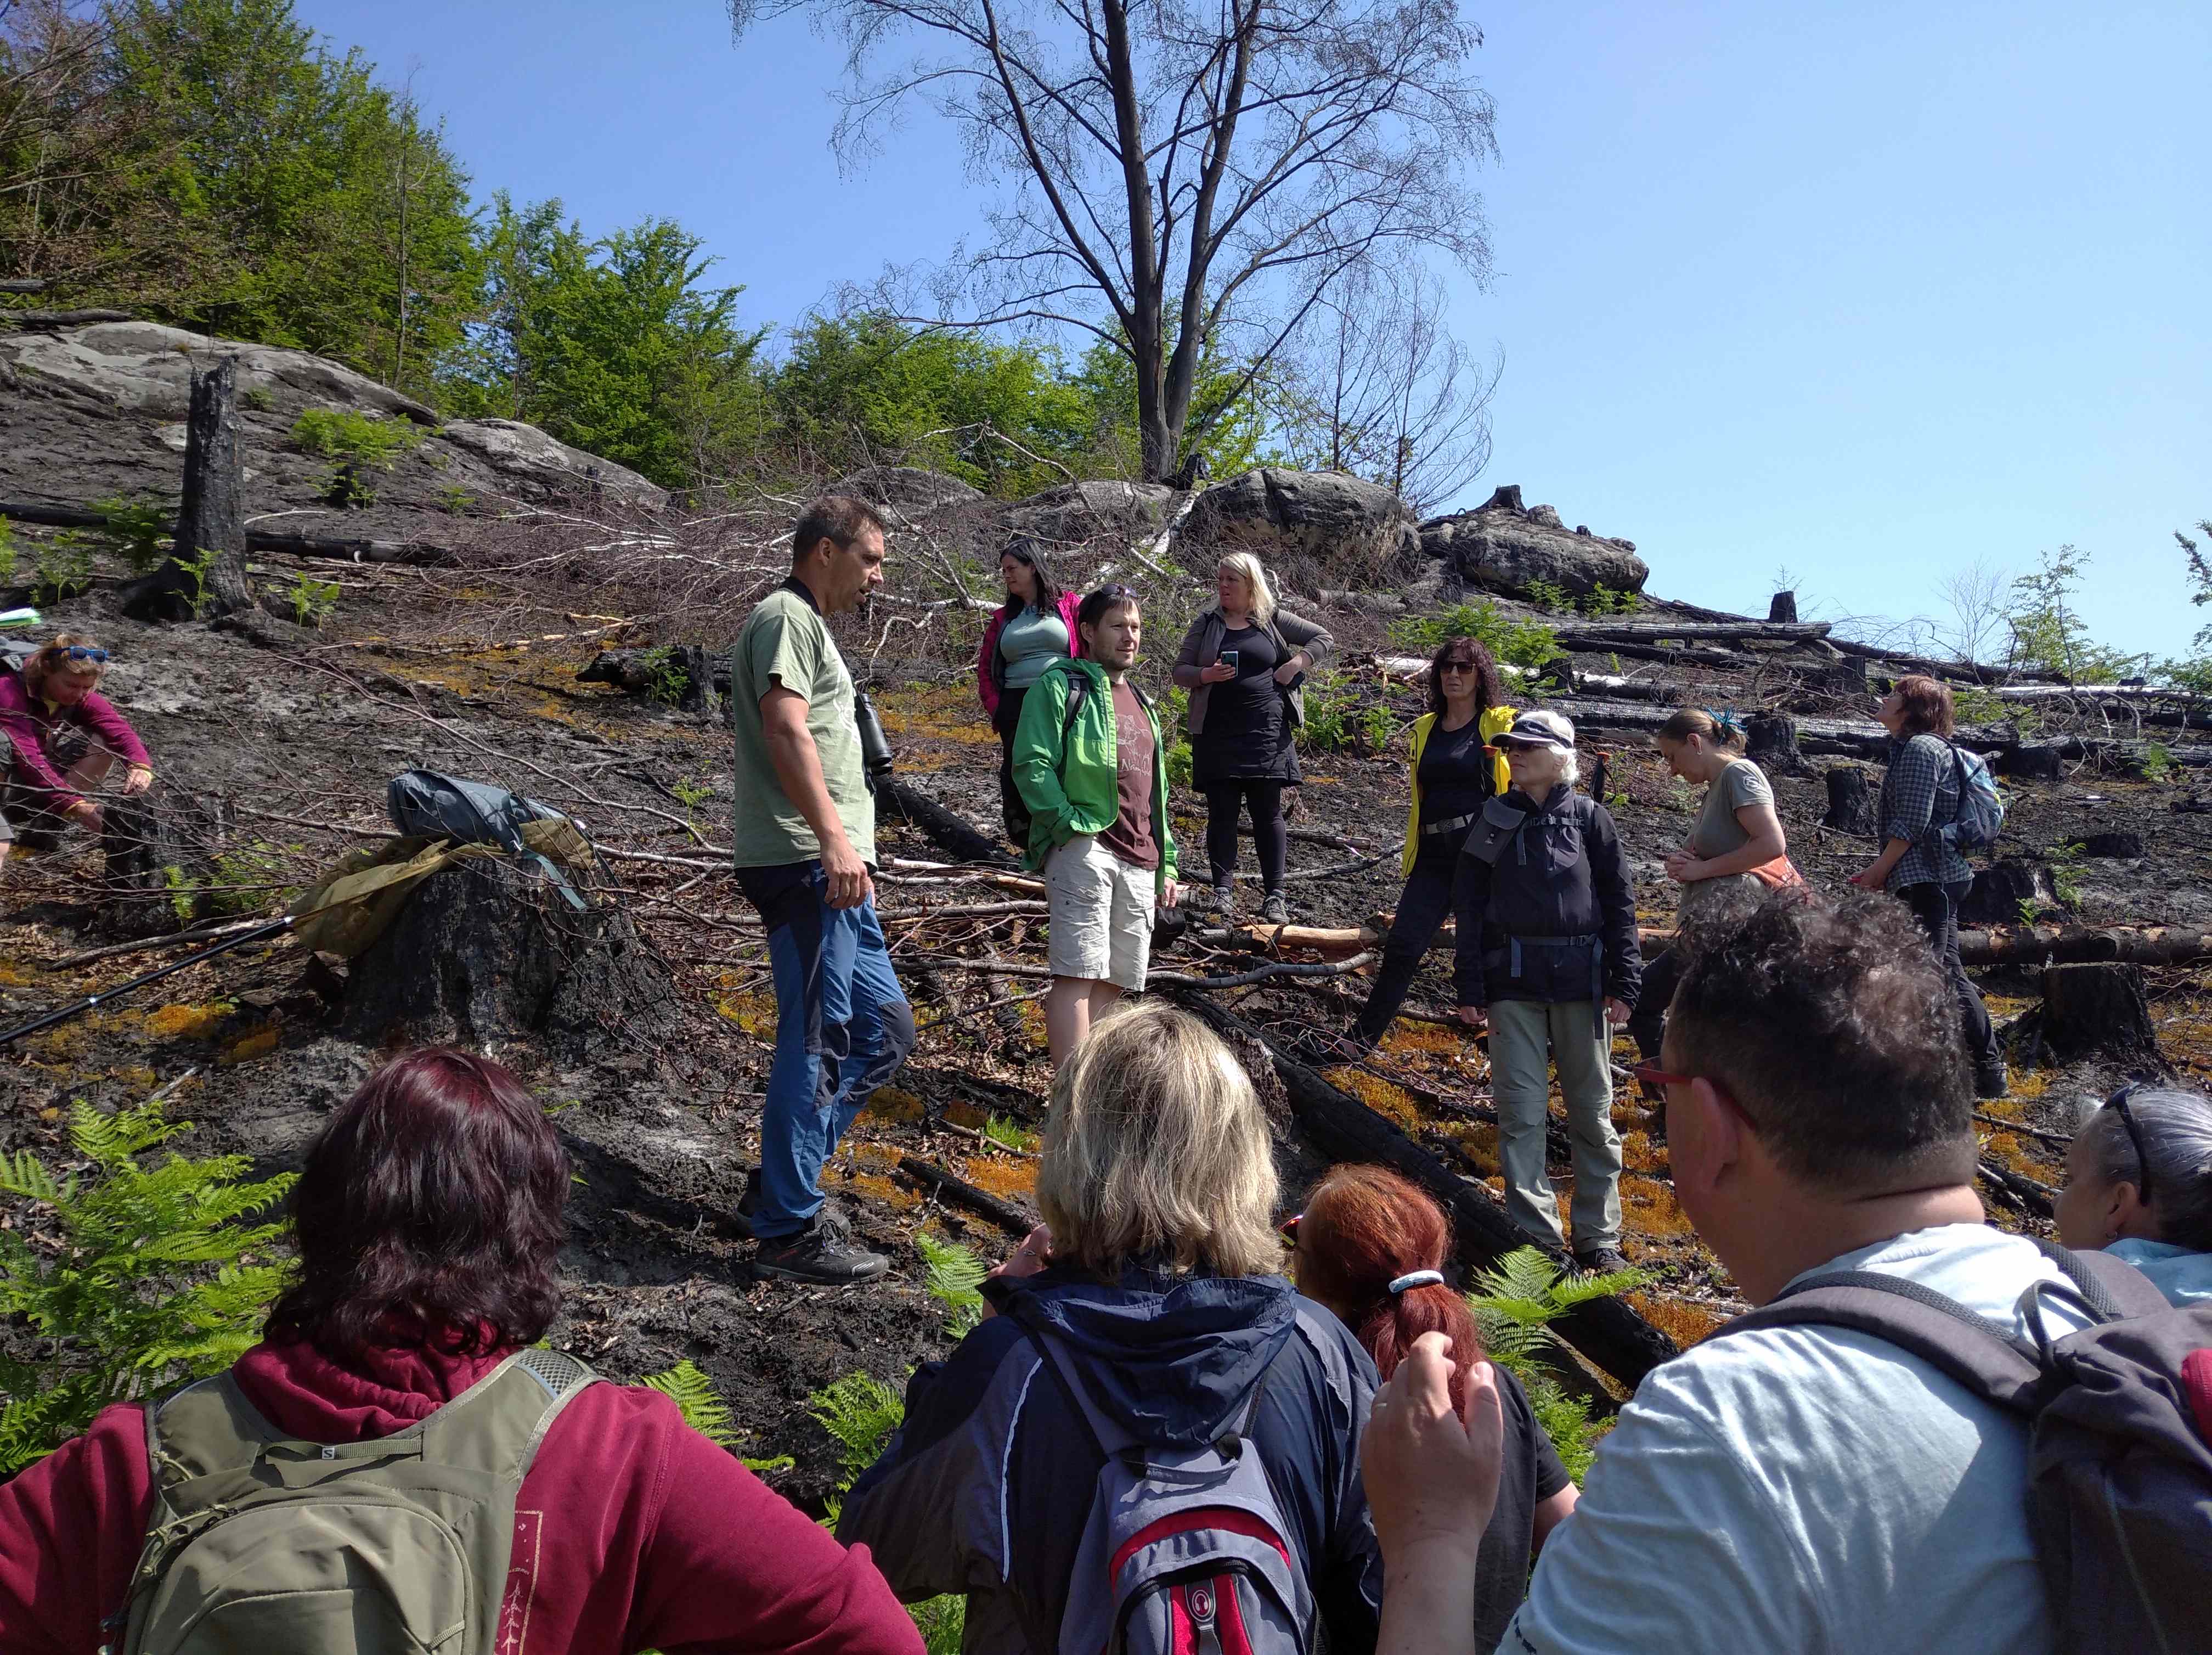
[(349, 906)]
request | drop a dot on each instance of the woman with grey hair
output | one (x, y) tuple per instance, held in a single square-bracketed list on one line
[(1154, 1292), (2139, 1184), (1545, 893)]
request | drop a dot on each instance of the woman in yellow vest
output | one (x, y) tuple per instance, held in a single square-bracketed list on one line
[(1455, 769)]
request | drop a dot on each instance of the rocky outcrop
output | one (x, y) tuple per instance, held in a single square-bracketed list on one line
[(907, 491), (97, 412), (1505, 546), (1084, 511), (1342, 527)]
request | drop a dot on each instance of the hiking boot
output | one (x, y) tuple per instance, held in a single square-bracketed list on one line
[(1273, 910), (739, 1220), (1225, 901), (817, 1254), (1600, 1261), (1991, 1082)]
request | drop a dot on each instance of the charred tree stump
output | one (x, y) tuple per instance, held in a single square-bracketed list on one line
[(1601, 777), (1783, 608), (2001, 888), (2099, 1010), (488, 950), (2044, 761), (1853, 801), (205, 574), (1773, 745), (688, 676), (161, 851), (1607, 1331), (945, 830)]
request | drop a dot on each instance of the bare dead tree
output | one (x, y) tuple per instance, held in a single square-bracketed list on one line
[(1203, 170), (1378, 386), (1978, 597)]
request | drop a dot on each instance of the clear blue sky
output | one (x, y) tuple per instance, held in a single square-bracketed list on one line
[(1871, 291)]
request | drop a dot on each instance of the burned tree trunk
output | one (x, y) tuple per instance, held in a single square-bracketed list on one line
[(1783, 608), (1773, 745), (488, 950), (1853, 801), (161, 873), (2009, 892), (205, 574), (2098, 1010), (945, 829)]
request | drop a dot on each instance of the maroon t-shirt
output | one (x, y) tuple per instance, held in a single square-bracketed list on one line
[(1130, 838)]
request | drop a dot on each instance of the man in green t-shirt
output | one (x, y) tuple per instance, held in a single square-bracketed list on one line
[(804, 838)]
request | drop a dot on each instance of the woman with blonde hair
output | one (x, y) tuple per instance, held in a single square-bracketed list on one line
[(1149, 1310), (1244, 662), (59, 738)]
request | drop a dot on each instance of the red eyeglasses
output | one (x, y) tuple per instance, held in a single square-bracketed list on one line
[(1652, 1076), (1290, 1228)]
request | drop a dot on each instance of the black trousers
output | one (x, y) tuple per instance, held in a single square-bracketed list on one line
[(1936, 908), (1011, 808), (1648, 1022), (1270, 835), (1431, 898)]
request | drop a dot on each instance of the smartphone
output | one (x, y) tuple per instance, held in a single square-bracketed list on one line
[(1228, 657)]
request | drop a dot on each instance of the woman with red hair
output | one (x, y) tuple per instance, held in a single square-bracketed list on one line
[(428, 1221), (1371, 1248)]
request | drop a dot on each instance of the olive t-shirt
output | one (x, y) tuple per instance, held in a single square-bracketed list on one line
[(785, 645), (1717, 831)]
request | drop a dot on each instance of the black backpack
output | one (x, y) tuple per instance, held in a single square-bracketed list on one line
[(2119, 1491), (429, 804)]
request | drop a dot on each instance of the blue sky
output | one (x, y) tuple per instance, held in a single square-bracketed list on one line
[(1873, 292)]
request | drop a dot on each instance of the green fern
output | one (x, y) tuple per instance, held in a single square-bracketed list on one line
[(1514, 1306), (954, 1277), (1009, 1134), (861, 1411), (687, 1385), (132, 1277)]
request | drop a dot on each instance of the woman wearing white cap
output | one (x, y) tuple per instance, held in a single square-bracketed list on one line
[(1548, 894)]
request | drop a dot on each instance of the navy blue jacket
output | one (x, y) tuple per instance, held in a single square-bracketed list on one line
[(1556, 916), (986, 1487)]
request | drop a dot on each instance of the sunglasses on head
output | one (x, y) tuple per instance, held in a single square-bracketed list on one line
[(1652, 1076), (1290, 1228), (79, 652), (2117, 1102)]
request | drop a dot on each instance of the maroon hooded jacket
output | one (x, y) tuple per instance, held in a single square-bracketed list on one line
[(631, 1530)]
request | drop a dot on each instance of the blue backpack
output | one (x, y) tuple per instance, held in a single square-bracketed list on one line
[(1981, 807)]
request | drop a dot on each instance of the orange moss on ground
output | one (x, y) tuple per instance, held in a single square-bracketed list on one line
[(886, 1104), (1649, 1208), (1684, 1322), (876, 1187), (945, 712), (255, 1043), (1422, 1040), (1639, 1154), (755, 1014), (1002, 1176), (1392, 1103)]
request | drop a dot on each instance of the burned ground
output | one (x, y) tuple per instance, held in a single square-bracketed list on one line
[(473, 669)]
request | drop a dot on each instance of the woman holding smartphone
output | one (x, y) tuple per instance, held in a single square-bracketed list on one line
[(1242, 663)]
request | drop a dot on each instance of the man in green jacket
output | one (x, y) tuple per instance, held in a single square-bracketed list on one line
[(1088, 764)]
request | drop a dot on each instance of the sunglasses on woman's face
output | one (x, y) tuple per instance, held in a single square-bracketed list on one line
[(1290, 1228), (1457, 666)]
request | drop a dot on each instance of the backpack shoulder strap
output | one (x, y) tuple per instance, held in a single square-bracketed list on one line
[(1079, 686), (1998, 1366), (498, 1423), (2111, 1287)]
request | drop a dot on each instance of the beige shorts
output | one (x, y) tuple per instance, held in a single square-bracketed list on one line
[(1102, 914)]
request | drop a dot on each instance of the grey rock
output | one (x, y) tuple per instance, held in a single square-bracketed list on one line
[(526, 454), (1505, 546), (1084, 511), (1345, 526), (906, 490), (143, 367)]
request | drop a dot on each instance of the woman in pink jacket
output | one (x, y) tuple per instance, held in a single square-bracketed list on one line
[(1034, 627), (59, 738)]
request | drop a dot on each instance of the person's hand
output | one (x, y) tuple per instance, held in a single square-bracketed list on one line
[(85, 814), (1475, 1017), (1166, 893), (139, 779), (1868, 879), (1686, 868), (1032, 1256), (1220, 673), (849, 884), (1432, 1476), (1616, 1013), (1288, 672)]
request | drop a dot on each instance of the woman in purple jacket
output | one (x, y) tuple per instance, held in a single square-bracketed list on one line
[(59, 738), (1034, 627)]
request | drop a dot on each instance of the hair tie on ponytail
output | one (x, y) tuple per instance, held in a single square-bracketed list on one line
[(1416, 1279)]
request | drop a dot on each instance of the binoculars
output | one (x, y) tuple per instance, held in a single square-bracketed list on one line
[(875, 746)]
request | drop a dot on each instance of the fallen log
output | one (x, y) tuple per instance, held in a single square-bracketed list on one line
[(23, 284), (1606, 1332), (962, 1193), (62, 318), (291, 546), (1693, 631), (945, 829)]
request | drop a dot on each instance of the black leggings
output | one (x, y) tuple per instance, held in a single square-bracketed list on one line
[(1648, 1022), (1012, 809), (1936, 908), (1271, 836), (1431, 898)]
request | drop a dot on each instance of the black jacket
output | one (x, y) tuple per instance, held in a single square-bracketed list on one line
[(1555, 914), (986, 1486)]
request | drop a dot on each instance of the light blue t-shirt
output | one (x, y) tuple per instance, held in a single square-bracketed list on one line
[(1812, 1490), (2182, 1274), (1031, 641)]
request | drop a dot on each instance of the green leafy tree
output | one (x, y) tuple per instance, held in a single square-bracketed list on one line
[(615, 346), (131, 1277), (2195, 673), (2048, 633)]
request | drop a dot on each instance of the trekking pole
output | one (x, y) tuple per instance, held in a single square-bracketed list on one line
[(118, 992)]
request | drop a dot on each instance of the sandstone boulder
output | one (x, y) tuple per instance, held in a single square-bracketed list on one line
[(1327, 525), (1084, 511), (1505, 546)]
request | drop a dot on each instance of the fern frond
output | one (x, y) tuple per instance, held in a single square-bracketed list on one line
[(860, 1412), (954, 1277), (699, 1403)]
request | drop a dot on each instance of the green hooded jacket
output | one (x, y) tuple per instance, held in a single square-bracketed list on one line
[(1074, 791)]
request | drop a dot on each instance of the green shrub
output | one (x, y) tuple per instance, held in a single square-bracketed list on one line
[(359, 444), (860, 1412), (7, 552), (2157, 762), (1514, 1306), (1525, 644), (63, 568), (258, 397), (1604, 600), (665, 677), (132, 1277), (2066, 874), (1547, 594), (313, 601), (135, 529)]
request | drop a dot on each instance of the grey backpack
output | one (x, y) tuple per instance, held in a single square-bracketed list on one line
[(438, 806), (396, 1546), (2120, 1492), (1184, 1548)]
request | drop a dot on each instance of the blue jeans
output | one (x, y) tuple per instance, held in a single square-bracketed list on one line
[(842, 1028)]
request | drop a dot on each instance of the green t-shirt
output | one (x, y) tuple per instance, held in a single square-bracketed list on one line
[(785, 645)]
